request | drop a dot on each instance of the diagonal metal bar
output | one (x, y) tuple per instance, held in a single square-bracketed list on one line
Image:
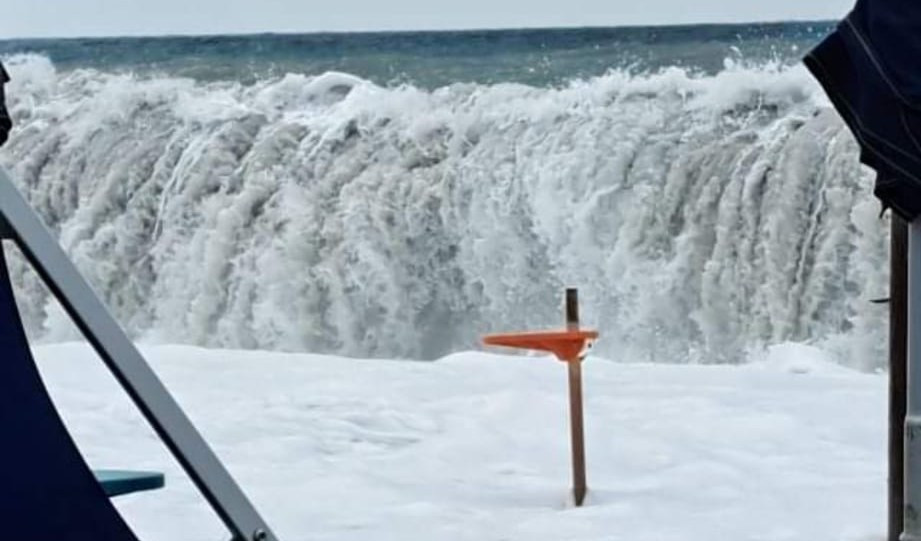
[(129, 367)]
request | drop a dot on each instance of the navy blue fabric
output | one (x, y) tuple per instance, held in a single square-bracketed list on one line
[(871, 69), (6, 123), (47, 492)]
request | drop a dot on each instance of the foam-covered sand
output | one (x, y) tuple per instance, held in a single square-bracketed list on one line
[(475, 446)]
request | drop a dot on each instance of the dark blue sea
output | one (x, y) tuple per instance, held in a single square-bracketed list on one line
[(431, 59)]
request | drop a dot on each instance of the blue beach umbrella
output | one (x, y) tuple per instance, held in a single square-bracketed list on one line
[(870, 67)]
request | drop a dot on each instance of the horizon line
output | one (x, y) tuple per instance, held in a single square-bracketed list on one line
[(282, 33)]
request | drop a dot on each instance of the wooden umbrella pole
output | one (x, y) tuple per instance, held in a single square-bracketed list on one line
[(898, 353), (579, 485)]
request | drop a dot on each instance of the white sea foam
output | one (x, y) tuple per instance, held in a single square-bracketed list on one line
[(476, 446), (700, 216)]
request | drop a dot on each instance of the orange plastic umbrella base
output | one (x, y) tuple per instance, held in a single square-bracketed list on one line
[(566, 345)]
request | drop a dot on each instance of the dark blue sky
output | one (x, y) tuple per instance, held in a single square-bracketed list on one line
[(34, 18)]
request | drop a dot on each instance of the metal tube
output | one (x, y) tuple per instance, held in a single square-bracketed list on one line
[(128, 366), (912, 524)]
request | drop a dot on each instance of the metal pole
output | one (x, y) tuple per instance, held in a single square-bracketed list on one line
[(128, 366), (898, 350), (912, 524), (579, 485)]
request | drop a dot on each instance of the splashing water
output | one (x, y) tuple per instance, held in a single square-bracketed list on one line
[(700, 215)]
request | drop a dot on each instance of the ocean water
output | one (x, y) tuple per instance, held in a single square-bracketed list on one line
[(430, 60), (398, 195)]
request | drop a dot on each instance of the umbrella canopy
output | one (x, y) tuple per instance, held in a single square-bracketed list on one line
[(870, 67)]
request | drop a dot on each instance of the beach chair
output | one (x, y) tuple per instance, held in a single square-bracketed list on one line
[(47, 491), (121, 482)]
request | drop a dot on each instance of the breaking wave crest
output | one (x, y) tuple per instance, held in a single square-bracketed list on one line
[(700, 216)]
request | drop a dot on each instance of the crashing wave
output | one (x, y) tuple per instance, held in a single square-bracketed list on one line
[(699, 215)]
